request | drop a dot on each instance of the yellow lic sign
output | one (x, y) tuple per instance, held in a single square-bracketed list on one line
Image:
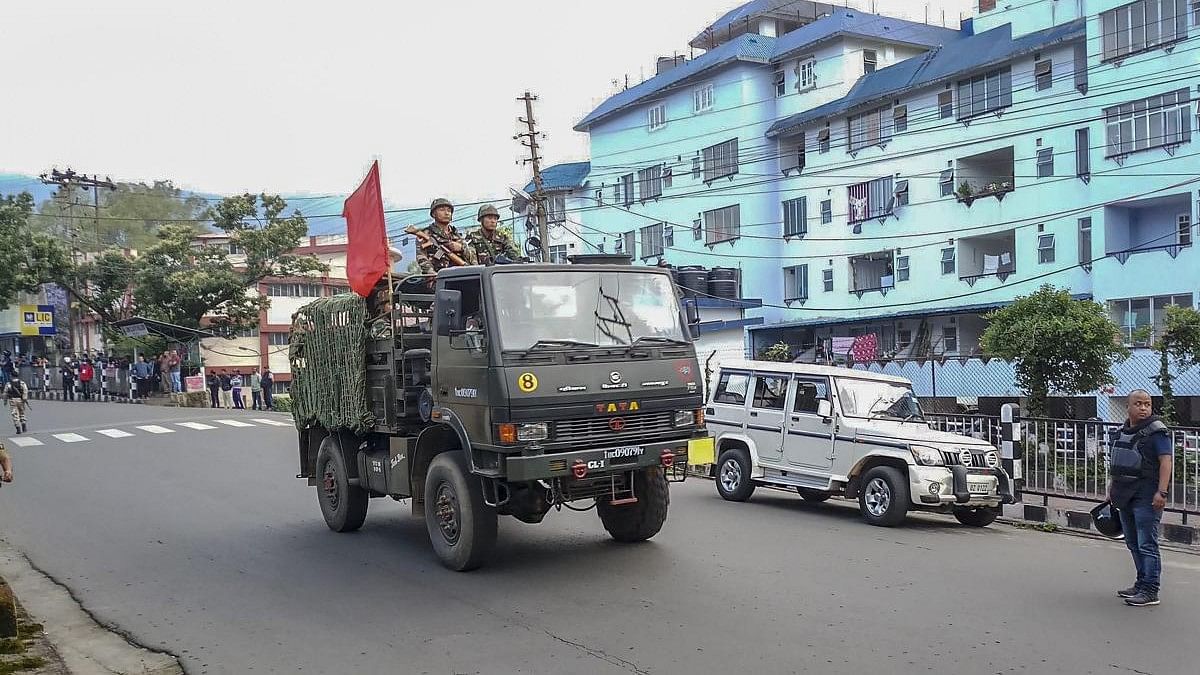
[(37, 320)]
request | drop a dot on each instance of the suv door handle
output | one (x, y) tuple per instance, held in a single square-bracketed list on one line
[(753, 414), (795, 418)]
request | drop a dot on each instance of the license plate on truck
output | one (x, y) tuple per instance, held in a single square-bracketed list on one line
[(701, 451), (979, 488)]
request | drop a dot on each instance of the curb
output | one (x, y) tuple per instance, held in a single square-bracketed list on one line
[(86, 647), (1186, 536), (53, 395)]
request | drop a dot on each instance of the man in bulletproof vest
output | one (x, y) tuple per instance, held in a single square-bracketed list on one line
[(489, 243), (439, 245), (1140, 467)]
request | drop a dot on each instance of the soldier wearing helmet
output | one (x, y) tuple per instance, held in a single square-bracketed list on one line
[(439, 243), (488, 242)]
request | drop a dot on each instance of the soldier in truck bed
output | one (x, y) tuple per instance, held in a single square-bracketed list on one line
[(446, 237), (489, 243)]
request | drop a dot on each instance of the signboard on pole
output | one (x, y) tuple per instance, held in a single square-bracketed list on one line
[(37, 320), (193, 383)]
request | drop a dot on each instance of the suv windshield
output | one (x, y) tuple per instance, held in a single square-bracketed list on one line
[(875, 399), (581, 307)]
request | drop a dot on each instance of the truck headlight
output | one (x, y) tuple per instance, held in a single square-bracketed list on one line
[(685, 418), (926, 455), (537, 431)]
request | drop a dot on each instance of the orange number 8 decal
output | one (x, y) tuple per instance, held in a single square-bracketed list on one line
[(527, 382)]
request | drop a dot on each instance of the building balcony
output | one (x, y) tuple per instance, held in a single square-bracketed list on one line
[(1162, 224), (987, 174), (872, 272), (987, 256)]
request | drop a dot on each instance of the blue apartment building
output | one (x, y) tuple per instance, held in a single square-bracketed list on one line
[(871, 175)]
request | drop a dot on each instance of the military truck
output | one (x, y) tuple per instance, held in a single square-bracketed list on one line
[(505, 390)]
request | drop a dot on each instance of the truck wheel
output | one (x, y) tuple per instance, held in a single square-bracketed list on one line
[(883, 498), (733, 475), (343, 505), (811, 495), (461, 527), (640, 521), (979, 517)]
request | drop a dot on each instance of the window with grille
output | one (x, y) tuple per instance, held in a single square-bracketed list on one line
[(902, 268), (650, 182), (625, 190), (870, 61), (724, 224), (294, 290), (806, 74), (652, 240), (950, 339), (277, 339), (900, 119), (1085, 241), (1184, 227), (1141, 26), (795, 217), (872, 199), (826, 211), (795, 283), (1083, 157), (823, 140), (1043, 74), (946, 182), (1045, 162), (1148, 123), (869, 128), (696, 167), (558, 254), (667, 176), (985, 93), (791, 154), (658, 116), (668, 236), (720, 160), (629, 242), (901, 193), (702, 98), (1045, 249), (780, 82), (236, 249), (948, 260), (945, 105), (827, 279), (556, 208)]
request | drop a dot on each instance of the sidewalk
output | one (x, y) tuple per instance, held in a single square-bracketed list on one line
[(66, 640), (31, 652)]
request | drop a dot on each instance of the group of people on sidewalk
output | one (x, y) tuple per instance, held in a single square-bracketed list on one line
[(226, 389)]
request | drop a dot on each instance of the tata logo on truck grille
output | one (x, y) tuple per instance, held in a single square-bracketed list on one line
[(615, 407), (616, 424)]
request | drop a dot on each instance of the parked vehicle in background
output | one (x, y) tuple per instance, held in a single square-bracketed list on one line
[(827, 431)]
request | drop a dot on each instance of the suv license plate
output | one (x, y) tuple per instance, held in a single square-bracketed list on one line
[(979, 488)]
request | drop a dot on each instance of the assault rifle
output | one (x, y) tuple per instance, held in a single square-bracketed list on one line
[(436, 250)]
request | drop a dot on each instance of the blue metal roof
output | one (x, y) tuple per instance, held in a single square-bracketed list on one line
[(563, 176), (742, 48), (842, 22), (956, 57)]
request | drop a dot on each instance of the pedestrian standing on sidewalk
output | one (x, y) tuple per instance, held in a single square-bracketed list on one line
[(214, 389), (86, 374), (226, 390), (173, 364), (67, 372), (142, 371), (238, 402), (256, 389), (1140, 470), (268, 387), (16, 396), (5, 465)]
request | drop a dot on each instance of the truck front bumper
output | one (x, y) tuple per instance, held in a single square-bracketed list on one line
[(599, 461)]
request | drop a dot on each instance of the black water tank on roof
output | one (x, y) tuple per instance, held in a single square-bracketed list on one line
[(722, 283), (693, 280)]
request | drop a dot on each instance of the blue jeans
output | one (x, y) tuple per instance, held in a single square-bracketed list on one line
[(1139, 522), (176, 383)]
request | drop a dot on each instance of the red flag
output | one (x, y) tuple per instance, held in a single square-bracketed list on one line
[(367, 251)]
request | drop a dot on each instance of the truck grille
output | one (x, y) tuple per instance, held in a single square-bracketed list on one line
[(593, 428)]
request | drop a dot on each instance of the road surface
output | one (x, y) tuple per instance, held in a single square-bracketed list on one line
[(187, 530)]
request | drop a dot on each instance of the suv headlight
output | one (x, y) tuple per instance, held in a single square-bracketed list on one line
[(685, 418), (538, 431), (991, 459), (926, 456)]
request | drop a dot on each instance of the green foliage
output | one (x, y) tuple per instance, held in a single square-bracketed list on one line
[(780, 351), (27, 257), (1057, 344), (282, 403), (1178, 345)]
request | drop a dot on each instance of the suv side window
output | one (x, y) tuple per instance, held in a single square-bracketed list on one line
[(770, 392), (732, 388), (810, 390)]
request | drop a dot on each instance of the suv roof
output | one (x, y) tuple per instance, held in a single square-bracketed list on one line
[(811, 369)]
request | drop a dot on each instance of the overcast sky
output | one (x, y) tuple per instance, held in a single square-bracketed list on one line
[(297, 97)]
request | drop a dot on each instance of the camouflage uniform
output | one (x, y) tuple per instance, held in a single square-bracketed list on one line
[(430, 265), (487, 250), (17, 395)]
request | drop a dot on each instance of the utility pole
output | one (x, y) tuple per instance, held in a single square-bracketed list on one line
[(69, 180), (539, 199)]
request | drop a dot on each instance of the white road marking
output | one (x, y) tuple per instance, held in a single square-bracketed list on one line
[(114, 433), (198, 426), (233, 423), (24, 441), (155, 429), (274, 423), (70, 438)]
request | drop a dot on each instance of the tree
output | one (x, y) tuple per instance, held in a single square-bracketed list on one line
[(1178, 345), (1057, 344), (129, 217), (27, 258)]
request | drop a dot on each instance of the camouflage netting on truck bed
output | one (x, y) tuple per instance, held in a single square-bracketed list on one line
[(329, 371)]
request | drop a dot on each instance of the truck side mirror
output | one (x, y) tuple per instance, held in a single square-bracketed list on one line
[(448, 305), (825, 409), (692, 314)]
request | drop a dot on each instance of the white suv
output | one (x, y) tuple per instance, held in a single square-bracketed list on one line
[(837, 431)]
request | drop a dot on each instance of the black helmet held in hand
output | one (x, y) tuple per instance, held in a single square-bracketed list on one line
[(1107, 520)]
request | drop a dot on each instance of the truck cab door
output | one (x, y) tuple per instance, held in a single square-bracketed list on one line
[(461, 359), (810, 436)]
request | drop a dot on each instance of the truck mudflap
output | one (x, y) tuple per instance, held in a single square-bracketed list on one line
[(671, 455)]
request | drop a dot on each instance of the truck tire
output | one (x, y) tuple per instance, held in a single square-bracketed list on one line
[(343, 505), (883, 497), (462, 529), (733, 475), (977, 517), (815, 496), (640, 521)]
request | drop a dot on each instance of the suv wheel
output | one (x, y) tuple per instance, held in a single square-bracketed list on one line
[(977, 517), (733, 475), (883, 497)]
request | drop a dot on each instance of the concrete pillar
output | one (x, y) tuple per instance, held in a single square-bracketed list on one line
[(1011, 453)]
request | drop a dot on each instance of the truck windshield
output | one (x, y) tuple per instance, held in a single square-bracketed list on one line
[(583, 308), (875, 399)]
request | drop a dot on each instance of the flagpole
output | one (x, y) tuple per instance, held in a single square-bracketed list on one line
[(387, 248)]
